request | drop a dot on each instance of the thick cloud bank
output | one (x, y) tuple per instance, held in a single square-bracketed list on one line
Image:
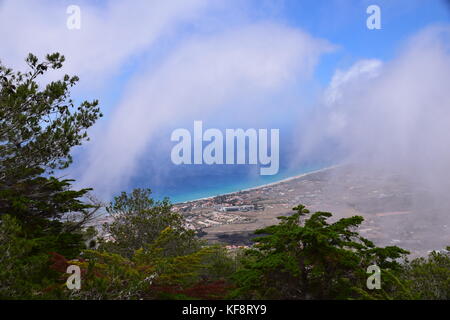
[(203, 76), (394, 117)]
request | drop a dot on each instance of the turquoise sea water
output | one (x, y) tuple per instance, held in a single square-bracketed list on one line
[(239, 183), (187, 182)]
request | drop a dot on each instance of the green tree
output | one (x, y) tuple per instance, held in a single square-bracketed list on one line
[(39, 125), (138, 221), (309, 258), (149, 273), (154, 240), (24, 263), (429, 278)]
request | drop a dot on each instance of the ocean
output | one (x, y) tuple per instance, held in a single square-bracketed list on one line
[(195, 182)]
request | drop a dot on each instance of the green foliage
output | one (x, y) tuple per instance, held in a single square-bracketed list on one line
[(109, 276), (38, 200), (39, 126), (149, 274), (24, 267), (90, 235), (151, 254), (138, 223), (429, 278), (309, 258)]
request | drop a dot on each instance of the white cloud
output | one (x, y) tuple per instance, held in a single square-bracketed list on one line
[(200, 72), (395, 115), (197, 79), (109, 35), (363, 69)]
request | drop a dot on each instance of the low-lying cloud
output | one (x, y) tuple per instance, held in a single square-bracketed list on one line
[(393, 115), (201, 77)]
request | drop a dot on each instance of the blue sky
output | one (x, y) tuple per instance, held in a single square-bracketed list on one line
[(342, 22), (159, 65)]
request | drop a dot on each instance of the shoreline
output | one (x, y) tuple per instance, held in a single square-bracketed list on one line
[(263, 185)]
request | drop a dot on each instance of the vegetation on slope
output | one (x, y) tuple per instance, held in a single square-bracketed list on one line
[(148, 252)]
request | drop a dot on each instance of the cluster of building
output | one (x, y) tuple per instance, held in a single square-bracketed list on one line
[(389, 215), (219, 210), (201, 220), (247, 207)]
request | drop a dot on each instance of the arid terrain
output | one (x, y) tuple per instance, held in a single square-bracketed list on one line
[(396, 211)]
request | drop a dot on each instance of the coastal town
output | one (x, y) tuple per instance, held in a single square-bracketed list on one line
[(386, 203)]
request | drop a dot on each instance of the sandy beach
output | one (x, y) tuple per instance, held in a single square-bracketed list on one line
[(265, 185)]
